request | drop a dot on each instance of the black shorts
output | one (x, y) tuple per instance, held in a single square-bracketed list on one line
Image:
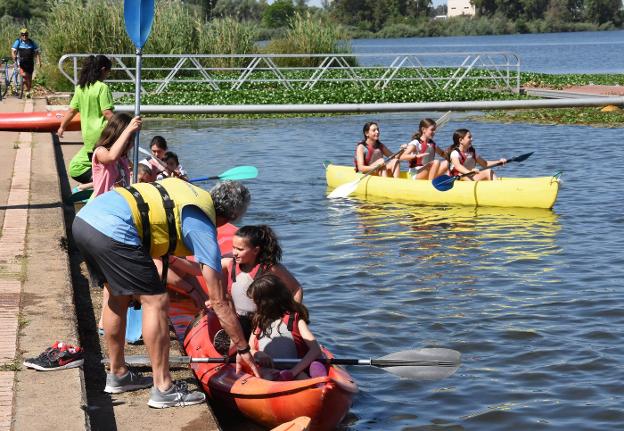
[(27, 66), (127, 269), (85, 177)]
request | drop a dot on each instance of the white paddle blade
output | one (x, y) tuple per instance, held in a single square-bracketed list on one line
[(443, 363), (344, 190)]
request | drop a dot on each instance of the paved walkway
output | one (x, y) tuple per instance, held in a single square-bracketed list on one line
[(37, 299), (12, 241)]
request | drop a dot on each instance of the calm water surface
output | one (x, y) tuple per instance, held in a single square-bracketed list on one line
[(581, 52), (532, 298)]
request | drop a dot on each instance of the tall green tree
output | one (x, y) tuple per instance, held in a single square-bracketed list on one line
[(601, 11), (23, 10), (278, 13), (241, 10)]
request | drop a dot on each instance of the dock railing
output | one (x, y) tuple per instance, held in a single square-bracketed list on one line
[(498, 71)]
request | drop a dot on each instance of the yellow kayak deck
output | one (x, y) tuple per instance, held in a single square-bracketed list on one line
[(538, 192)]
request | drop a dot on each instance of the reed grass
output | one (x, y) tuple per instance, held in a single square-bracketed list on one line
[(309, 35), (97, 26)]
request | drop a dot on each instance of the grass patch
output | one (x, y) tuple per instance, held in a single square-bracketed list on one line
[(22, 321), (14, 365), (569, 116)]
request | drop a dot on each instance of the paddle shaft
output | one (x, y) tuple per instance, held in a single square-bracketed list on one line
[(141, 359), (519, 158)]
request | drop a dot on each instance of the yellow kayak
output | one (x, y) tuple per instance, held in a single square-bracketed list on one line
[(538, 192)]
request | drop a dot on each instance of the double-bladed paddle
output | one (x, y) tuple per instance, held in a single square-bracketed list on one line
[(445, 182), (234, 174), (138, 17), (344, 190), (415, 364)]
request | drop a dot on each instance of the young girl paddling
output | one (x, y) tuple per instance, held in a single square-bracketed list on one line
[(421, 152), (281, 331), (462, 158), (369, 153)]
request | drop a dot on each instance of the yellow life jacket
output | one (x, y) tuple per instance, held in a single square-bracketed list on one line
[(161, 203)]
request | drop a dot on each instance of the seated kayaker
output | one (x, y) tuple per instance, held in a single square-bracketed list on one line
[(462, 158), (370, 152), (173, 168), (421, 152), (255, 251), (281, 332)]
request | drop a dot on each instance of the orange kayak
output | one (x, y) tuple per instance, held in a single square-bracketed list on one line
[(325, 400), (48, 121)]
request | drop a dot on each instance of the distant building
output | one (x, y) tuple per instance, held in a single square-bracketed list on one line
[(460, 7)]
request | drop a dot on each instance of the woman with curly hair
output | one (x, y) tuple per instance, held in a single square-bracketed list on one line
[(255, 251)]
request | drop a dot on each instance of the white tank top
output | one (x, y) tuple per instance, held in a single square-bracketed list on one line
[(244, 305)]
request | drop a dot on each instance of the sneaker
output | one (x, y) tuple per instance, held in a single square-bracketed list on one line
[(58, 357), (28, 94), (177, 395), (131, 381)]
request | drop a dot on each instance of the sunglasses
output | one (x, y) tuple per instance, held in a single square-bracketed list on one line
[(24, 34)]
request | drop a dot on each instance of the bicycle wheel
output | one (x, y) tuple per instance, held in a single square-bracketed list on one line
[(7, 82)]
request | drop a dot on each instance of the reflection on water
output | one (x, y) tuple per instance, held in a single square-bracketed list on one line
[(446, 237)]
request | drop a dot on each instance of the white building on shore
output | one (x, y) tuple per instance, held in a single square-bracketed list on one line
[(460, 7)]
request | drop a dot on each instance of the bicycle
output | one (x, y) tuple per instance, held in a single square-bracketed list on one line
[(13, 78)]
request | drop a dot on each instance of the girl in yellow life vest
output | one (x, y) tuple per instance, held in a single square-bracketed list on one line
[(370, 152), (463, 158)]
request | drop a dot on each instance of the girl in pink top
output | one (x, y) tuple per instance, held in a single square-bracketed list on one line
[(111, 166), (110, 157)]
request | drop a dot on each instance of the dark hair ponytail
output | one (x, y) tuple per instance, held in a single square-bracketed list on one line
[(273, 300), (92, 69), (264, 237), (458, 135), (424, 123)]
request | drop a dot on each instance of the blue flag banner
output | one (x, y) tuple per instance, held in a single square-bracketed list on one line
[(138, 16)]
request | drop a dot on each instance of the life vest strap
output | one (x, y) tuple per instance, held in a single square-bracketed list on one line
[(144, 213), (169, 205)]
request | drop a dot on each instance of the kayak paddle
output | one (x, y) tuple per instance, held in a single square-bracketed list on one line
[(79, 196), (344, 190), (415, 364), (445, 182), (235, 173), (138, 18)]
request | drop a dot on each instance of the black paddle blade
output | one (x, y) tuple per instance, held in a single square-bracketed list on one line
[(521, 157), (443, 182)]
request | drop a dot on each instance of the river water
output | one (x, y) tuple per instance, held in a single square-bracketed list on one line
[(531, 298), (581, 52)]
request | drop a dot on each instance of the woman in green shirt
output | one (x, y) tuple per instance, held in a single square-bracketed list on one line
[(94, 101)]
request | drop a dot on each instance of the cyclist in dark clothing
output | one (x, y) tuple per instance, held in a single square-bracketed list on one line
[(25, 50)]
